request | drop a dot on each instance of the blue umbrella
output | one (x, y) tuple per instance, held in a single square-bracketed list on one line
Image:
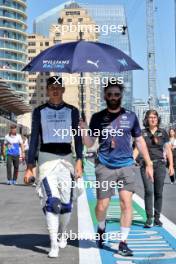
[(81, 56)]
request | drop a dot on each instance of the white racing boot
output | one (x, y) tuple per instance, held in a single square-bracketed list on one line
[(62, 235), (62, 240), (52, 222), (54, 251)]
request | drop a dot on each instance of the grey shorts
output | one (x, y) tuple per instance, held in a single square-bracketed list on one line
[(111, 179)]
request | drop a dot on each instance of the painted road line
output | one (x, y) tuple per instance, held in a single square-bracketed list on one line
[(155, 245), (167, 224), (88, 252)]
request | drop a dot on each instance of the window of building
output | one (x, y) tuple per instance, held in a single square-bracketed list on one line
[(80, 19), (72, 13), (33, 102), (69, 20), (6, 2), (41, 44), (31, 51), (57, 34), (47, 43), (31, 43), (57, 41)]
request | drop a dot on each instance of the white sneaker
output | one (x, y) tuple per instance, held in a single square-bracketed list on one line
[(54, 252), (62, 241)]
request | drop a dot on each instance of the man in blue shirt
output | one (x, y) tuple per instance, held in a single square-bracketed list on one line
[(115, 127), (12, 144)]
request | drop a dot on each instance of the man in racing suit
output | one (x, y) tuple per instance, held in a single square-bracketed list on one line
[(52, 124)]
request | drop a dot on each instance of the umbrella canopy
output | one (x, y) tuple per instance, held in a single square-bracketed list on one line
[(81, 56)]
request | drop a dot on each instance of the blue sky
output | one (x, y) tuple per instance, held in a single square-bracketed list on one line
[(135, 11)]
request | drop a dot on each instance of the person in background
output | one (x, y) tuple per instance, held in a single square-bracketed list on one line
[(11, 149), (157, 141), (26, 147), (172, 141)]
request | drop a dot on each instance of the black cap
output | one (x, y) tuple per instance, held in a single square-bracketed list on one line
[(54, 80)]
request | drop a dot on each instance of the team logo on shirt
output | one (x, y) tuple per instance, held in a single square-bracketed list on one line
[(124, 122), (124, 117)]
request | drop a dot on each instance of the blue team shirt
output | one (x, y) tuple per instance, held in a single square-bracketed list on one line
[(13, 144), (115, 132)]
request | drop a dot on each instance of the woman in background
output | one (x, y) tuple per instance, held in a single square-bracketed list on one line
[(157, 141)]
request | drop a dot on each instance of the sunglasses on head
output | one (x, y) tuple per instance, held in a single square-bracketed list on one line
[(114, 94)]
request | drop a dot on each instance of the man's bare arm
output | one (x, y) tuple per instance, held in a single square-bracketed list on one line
[(87, 140), (22, 149), (142, 148), (135, 153), (4, 150)]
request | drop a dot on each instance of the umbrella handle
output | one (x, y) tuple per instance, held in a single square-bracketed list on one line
[(83, 116)]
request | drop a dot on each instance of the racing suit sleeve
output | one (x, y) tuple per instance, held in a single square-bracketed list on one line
[(77, 137), (33, 147)]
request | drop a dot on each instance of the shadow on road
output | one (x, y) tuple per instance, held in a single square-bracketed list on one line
[(34, 241), (137, 223), (26, 241), (16, 185)]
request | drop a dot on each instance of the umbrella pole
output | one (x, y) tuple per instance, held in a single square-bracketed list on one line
[(82, 97), (82, 88)]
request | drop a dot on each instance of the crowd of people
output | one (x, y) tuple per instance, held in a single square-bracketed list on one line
[(152, 148)]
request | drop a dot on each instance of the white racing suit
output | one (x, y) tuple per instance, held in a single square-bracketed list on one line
[(55, 189)]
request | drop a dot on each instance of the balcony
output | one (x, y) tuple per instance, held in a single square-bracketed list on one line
[(12, 24), (13, 30), (12, 9)]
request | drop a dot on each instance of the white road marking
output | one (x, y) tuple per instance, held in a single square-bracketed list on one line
[(91, 253)]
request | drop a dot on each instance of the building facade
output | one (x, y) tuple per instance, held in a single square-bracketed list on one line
[(172, 99), (13, 44), (164, 110), (103, 16), (61, 32), (140, 107), (111, 19), (37, 81)]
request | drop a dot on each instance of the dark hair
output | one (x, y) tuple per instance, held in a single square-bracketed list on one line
[(151, 111), (116, 84), (171, 128), (13, 126), (54, 80)]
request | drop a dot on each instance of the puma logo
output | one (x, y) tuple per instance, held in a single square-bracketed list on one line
[(123, 62), (94, 63)]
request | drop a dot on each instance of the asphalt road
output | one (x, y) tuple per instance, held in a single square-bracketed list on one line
[(169, 197), (23, 234)]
